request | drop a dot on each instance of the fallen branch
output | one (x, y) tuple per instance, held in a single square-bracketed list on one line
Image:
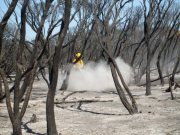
[(72, 93), (157, 79), (82, 101)]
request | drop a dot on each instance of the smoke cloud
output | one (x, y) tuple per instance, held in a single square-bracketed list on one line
[(96, 76)]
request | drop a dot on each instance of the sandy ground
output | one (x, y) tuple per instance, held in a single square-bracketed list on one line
[(105, 115)]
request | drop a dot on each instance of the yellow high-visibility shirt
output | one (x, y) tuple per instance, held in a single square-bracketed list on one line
[(79, 64)]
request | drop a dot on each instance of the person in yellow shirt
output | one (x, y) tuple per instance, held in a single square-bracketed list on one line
[(78, 62)]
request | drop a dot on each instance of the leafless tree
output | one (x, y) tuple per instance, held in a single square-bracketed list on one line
[(3, 24), (105, 33), (16, 113), (5, 20), (102, 30), (51, 125), (151, 28), (170, 34)]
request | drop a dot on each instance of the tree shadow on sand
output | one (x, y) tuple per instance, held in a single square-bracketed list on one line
[(78, 108), (98, 113), (29, 130)]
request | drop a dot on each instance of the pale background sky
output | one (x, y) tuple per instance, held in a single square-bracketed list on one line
[(30, 33)]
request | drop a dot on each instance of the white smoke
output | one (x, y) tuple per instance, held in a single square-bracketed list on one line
[(96, 76)]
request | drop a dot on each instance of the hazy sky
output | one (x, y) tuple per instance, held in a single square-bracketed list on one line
[(3, 9), (30, 33)]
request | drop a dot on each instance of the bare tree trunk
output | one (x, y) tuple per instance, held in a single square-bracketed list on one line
[(66, 80), (17, 91), (1, 91), (148, 78), (115, 70), (120, 90), (17, 127), (175, 68), (169, 89), (134, 105), (147, 28), (51, 124), (8, 102), (159, 70)]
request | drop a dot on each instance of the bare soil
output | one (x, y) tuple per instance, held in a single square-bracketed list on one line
[(100, 113)]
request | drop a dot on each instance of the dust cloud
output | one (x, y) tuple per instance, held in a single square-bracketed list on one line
[(96, 76)]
